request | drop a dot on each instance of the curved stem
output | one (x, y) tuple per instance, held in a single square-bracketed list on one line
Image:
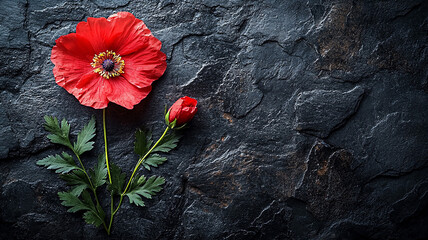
[(104, 223), (120, 203), (90, 183), (105, 144), (84, 170), (140, 161), (80, 161)]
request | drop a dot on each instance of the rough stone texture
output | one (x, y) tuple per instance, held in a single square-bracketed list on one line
[(318, 112), (312, 120)]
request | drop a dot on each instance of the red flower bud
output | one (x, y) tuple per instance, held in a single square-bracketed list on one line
[(182, 111)]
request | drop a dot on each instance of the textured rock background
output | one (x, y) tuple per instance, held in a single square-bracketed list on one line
[(312, 121)]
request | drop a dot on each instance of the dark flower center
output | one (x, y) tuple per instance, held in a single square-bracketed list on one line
[(108, 64)]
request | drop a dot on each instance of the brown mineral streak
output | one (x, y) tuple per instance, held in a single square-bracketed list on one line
[(339, 39), (228, 117), (323, 169)]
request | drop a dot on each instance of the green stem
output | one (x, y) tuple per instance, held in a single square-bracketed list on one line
[(108, 171), (84, 171), (120, 203), (104, 223), (105, 144), (140, 161), (90, 182), (111, 215), (98, 203)]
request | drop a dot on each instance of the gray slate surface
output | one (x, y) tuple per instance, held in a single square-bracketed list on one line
[(312, 122)]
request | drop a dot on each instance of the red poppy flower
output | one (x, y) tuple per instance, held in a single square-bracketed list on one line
[(108, 60), (183, 110)]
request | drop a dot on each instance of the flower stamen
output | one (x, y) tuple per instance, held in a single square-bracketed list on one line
[(108, 64)]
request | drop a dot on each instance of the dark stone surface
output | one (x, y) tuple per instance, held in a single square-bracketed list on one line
[(319, 112), (312, 120)]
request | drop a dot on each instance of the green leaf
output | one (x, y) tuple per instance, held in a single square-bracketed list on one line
[(153, 160), (99, 174), (78, 189), (78, 182), (83, 143), (61, 164), (135, 199), (93, 215), (144, 188), (87, 200), (117, 178), (70, 200), (151, 186), (168, 143), (143, 141), (132, 194), (96, 214), (59, 133)]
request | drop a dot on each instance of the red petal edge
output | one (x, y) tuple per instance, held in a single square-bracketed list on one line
[(122, 33)]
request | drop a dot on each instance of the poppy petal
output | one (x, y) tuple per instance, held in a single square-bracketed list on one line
[(145, 66), (93, 90), (97, 30), (125, 94), (129, 34), (122, 35), (71, 59)]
